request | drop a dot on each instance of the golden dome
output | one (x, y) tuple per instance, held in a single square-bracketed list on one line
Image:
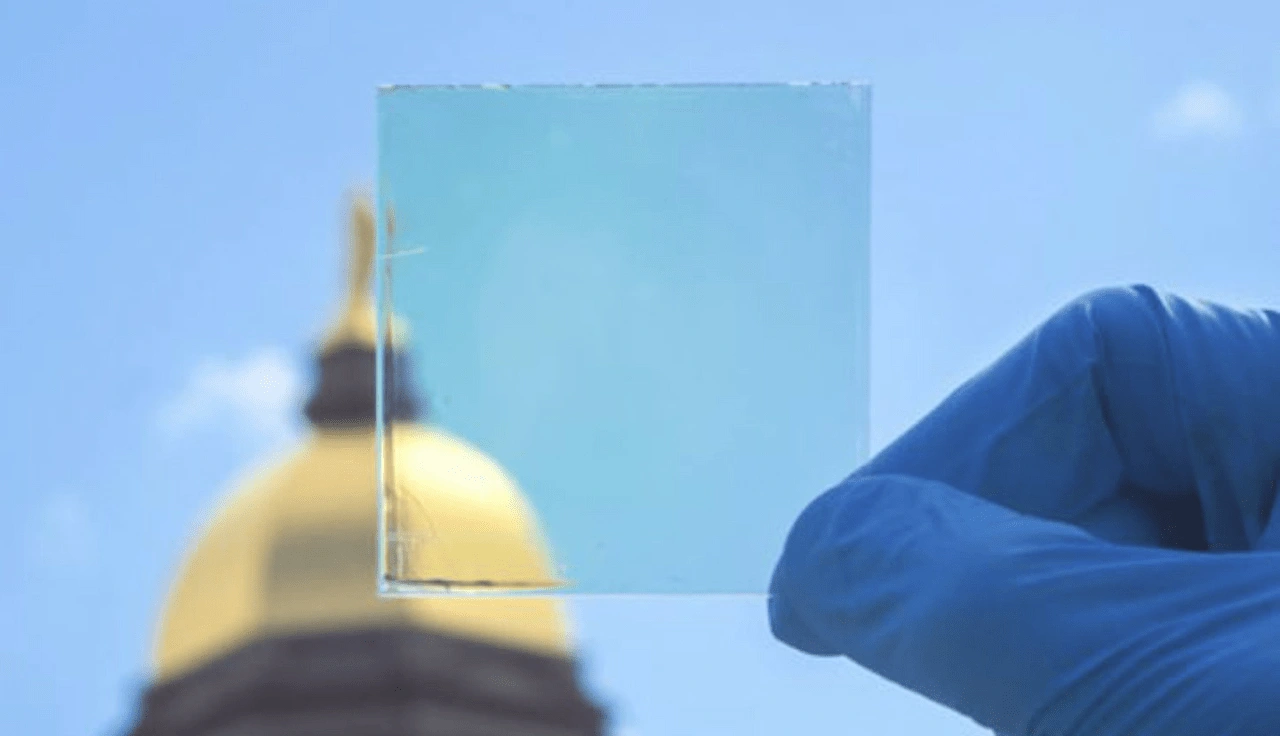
[(295, 549)]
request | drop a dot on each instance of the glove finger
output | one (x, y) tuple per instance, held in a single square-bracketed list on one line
[(1143, 417), (1028, 625)]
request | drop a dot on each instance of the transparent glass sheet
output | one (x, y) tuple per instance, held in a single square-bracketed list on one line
[(639, 316)]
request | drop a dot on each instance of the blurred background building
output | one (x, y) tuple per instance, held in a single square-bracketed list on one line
[(274, 626)]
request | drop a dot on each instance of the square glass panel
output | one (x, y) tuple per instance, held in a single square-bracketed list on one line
[(639, 318)]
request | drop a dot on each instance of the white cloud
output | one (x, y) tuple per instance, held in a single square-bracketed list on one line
[(259, 395), (1198, 108), (61, 534)]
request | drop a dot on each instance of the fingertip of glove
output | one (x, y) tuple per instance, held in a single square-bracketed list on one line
[(788, 628)]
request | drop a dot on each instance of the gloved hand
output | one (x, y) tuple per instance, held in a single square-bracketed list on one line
[(1080, 541)]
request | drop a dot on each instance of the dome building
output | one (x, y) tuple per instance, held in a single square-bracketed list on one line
[(273, 626)]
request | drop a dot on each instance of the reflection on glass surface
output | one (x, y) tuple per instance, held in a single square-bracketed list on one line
[(640, 314)]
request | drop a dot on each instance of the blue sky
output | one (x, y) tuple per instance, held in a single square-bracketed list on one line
[(170, 184)]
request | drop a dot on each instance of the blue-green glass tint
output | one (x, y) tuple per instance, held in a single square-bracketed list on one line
[(648, 304)]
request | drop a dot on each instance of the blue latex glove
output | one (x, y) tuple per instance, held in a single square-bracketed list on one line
[(1080, 541)]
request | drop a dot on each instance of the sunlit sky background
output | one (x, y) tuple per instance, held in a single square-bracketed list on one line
[(170, 183)]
